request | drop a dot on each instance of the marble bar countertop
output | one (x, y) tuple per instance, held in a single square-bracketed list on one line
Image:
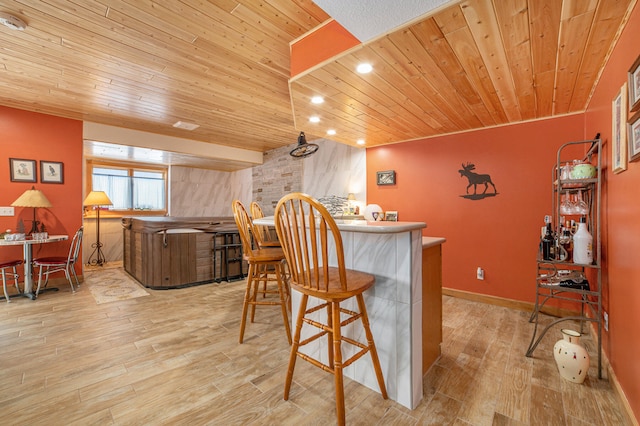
[(365, 226)]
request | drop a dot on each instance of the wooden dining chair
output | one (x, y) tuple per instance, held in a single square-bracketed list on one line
[(51, 265), (263, 235), (10, 264), (264, 265), (305, 227)]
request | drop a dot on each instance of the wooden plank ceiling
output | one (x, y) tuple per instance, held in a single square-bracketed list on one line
[(476, 64), (146, 64), (224, 64)]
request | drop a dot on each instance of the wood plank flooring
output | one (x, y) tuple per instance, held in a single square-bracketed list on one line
[(173, 358)]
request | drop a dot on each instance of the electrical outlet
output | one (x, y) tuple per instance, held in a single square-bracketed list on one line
[(7, 211), (606, 321), (480, 273)]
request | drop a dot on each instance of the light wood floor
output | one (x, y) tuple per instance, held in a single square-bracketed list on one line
[(173, 358)]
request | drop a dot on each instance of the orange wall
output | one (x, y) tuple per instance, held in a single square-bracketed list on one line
[(622, 227), (500, 234), (323, 43), (38, 137)]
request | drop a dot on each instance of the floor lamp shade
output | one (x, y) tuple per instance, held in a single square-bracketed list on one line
[(97, 198), (32, 198)]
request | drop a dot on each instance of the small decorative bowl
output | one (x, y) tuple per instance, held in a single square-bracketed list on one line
[(583, 171)]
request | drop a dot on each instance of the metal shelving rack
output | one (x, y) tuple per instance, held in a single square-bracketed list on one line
[(230, 252), (550, 272)]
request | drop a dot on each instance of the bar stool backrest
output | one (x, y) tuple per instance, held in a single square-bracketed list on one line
[(305, 228), (245, 226)]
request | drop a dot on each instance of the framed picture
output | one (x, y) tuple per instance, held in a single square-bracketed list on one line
[(51, 172), (634, 86), (22, 170), (619, 131), (387, 177), (391, 216), (633, 129)]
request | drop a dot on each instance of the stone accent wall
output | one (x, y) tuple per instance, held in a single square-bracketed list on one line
[(278, 175)]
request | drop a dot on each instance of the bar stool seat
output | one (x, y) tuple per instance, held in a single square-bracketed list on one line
[(11, 264)]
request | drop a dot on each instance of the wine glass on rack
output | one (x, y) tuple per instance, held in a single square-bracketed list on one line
[(566, 206), (580, 207)]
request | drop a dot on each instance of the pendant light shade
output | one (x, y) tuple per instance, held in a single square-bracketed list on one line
[(303, 149)]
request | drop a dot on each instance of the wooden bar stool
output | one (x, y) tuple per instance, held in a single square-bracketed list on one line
[(304, 227), (264, 264), (263, 236), (13, 264)]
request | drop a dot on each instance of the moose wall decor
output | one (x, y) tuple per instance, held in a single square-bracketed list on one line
[(476, 179)]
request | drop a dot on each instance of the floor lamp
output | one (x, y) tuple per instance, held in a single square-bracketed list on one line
[(97, 199), (32, 198)]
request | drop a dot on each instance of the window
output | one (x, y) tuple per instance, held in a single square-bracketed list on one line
[(134, 189)]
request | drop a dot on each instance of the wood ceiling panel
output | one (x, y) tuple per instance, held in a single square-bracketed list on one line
[(575, 24), (609, 14), (513, 19), (146, 64), (482, 22), (433, 42), (486, 109), (225, 65), (474, 64), (341, 105), (544, 16), (388, 81), (435, 76)]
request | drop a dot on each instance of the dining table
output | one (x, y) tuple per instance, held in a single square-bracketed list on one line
[(27, 244)]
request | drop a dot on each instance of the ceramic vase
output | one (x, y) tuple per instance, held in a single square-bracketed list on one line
[(571, 357)]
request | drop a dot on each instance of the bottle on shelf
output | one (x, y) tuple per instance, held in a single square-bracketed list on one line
[(548, 244), (582, 244), (566, 248)]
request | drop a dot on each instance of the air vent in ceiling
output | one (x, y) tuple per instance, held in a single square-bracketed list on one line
[(186, 126)]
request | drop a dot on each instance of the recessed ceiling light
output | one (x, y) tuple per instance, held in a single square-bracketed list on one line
[(186, 126), (314, 119), (364, 68), (317, 100), (11, 21), (360, 142), (331, 132)]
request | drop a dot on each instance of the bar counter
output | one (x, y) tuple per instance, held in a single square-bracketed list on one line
[(393, 252)]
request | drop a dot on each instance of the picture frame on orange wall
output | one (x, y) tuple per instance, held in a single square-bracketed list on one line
[(386, 177), (22, 170), (51, 172), (634, 86), (633, 129), (619, 131)]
